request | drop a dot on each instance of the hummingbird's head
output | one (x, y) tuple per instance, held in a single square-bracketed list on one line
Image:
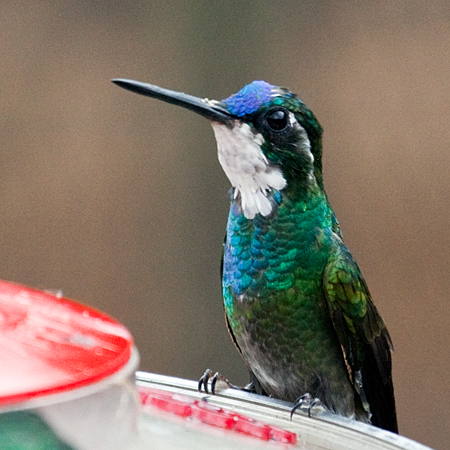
[(267, 139)]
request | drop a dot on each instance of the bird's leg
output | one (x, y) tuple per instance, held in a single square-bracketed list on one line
[(306, 402), (210, 377)]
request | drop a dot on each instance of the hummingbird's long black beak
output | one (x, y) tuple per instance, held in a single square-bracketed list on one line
[(211, 109)]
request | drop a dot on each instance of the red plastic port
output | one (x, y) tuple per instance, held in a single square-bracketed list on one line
[(212, 415)]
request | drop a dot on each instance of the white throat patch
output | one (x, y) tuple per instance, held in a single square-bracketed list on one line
[(247, 168)]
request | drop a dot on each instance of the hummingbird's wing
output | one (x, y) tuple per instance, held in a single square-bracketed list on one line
[(364, 339)]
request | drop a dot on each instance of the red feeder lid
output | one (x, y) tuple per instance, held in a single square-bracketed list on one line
[(50, 345)]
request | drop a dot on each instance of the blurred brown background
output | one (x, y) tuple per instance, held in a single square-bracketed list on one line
[(120, 201)]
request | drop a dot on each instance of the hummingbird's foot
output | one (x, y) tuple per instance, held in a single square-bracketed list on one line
[(306, 402), (213, 378)]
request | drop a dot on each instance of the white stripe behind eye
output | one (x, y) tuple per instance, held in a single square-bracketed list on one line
[(247, 168)]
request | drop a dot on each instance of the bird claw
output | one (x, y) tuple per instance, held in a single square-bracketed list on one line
[(210, 377), (306, 402)]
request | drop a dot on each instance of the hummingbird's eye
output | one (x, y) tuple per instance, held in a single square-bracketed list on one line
[(278, 120)]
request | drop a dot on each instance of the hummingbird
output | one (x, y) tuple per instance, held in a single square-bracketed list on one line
[(296, 304)]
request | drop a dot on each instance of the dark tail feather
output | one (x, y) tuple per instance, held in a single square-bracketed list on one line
[(377, 384)]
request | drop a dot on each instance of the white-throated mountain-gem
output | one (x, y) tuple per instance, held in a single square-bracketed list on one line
[(296, 304)]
